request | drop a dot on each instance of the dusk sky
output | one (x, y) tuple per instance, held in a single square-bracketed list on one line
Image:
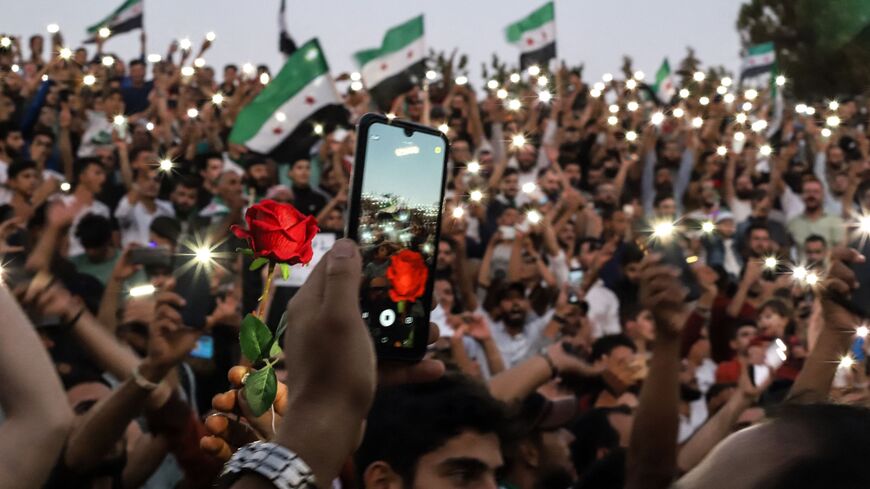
[(596, 33)]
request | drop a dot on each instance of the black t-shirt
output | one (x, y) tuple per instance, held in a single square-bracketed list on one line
[(308, 201)]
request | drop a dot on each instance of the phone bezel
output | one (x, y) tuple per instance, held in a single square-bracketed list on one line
[(352, 225)]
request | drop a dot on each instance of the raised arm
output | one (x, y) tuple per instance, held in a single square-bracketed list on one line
[(38, 416), (518, 382), (652, 451)]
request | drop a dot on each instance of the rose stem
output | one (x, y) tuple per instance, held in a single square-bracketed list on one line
[(261, 310)]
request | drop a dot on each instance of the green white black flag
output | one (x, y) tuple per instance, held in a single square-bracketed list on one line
[(665, 87), (300, 102), (396, 66), (125, 18), (535, 36), (758, 63)]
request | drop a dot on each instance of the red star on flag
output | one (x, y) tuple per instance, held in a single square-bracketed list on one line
[(530, 41), (410, 53), (277, 130), (383, 66), (310, 100)]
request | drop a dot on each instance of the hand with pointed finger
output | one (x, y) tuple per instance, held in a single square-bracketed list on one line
[(662, 292)]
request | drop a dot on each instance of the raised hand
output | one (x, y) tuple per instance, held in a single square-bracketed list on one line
[(664, 295)]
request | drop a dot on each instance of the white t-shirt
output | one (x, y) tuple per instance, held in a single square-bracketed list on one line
[(603, 310), (516, 348), (98, 134), (135, 220), (96, 207)]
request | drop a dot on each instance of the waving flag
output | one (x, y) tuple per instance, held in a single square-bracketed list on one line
[(125, 18), (397, 65), (535, 36)]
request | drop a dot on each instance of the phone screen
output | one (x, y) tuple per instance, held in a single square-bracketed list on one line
[(204, 347), (395, 217)]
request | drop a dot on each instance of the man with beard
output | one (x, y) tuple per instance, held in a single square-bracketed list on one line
[(540, 457), (306, 199), (140, 206), (257, 175), (11, 144), (517, 333), (183, 197), (761, 214), (528, 160), (657, 177), (210, 167), (814, 219)]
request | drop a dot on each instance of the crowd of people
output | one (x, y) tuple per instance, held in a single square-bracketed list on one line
[(629, 292)]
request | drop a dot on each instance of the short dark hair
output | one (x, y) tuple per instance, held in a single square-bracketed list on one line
[(448, 406), (187, 181), (606, 344), (509, 172), (82, 164), (19, 166), (231, 66), (136, 62), (94, 231), (592, 432), (736, 327), (137, 150), (44, 131), (661, 197), (756, 226), (629, 311), (166, 227), (631, 253), (7, 128), (815, 238)]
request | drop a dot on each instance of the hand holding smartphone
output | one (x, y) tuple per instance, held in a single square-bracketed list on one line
[(395, 210)]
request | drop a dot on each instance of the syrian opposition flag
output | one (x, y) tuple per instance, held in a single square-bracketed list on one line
[(124, 19), (665, 88), (535, 36), (293, 110), (397, 65), (777, 104), (758, 63)]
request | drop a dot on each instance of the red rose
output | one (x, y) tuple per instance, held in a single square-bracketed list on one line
[(278, 232), (407, 275)]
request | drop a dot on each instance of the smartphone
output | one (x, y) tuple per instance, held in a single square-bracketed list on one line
[(397, 191), (507, 233), (575, 277), (672, 254), (151, 257), (775, 355), (193, 283), (204, 348)]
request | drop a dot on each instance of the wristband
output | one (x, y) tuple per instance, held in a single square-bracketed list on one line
[(72, 322), (554, 371)]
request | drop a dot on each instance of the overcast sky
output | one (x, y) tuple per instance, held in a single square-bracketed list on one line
[(596, 32)]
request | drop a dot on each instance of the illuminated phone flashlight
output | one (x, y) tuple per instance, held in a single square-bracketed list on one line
[(518, 141), (187, 71), (149, 126), (318, 129), (750, 94), (684, 93), (142, 290), (534, 70), (64, 53), (88, 80), (476, 195), (613, 108), (184, 44), (473, 167), (534, 216), (501, 93), (692, 259), (119, 120), (811, 110), (631, 84), (607, 77), (543, 81), (721, 90), (5, 42), (747, 106), (799, 273), (631, 106), (544, 96), (599, 86), (663, 230), (203, 255), (765, 150), (759, 125), (166, 165), (192, 113), (443, 127), (739, 136), (613, 120), (826, 133), (514, 104), (721, 151), (832, 121), (356, 86), (705, 100), (812, 279), (492, 84), (52, 28), (264, 78), (249, 70), (678, 112), (800, 108), (154, 58), (728, 98), (846, 362), (771, 263), (657, 118), (108, 61), (431, 75), (595, 93), (864, 225), (834, 105), (697, 122), (699, 76), (461, 80), (515, 78), (105, 32), (529, 187), (458, 212), (65, 187), (639, 75), (217, 98), (210, 36), (862, 331), (199, 62), (708, 227), (631, 136), (740, 118), (780, 80)]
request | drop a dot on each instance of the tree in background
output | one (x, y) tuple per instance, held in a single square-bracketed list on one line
[(822, 46)]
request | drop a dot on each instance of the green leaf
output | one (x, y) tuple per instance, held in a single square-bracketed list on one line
[(260, 390), (254, 338), (285, 270), (282, 325), (275, 349), (258, 263), (245, 251)]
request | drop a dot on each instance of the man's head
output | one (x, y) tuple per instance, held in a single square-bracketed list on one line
[(572, 169), (615, 221), (184, 196), (41, 145), (760, 204), (142, 157), (741, 337), (230, 72), (743, 186), (300, 173), (334, 221), (664, 206), (605, 194), (23, 178), (815, 249), (147, 181), (513, 305), (637, 322), (589, 249), (758, 240), (229, 186), (510, 183), (90, 175), (11, 140), (632, 255), (95, 234), (804, 446), (212, 166), (527, 156), (550, 183), (812, 193), (165, 231), (111, 103), (442, 434), (257, 173), (460, 150), (613, 350), (137, 71), (446, 253), (671, 153), (442, 291)]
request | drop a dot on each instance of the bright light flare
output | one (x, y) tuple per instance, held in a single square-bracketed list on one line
[(631, 84), (443, 127), (699, 76), (88, 80), (679, 113), (154, 58), (187, 71), (747, 106), (185, 44), (514, 104), (192, 113), (529, 187), (545, 96), (518, 141), (834, 105), (533, 216), (199, 62), (726, 81), (664, 230), (739, 136), (632, 106), (639, 75), (705, 100), (613, 108), (217, 98), (119, 120), (492, 84), (52, 28), (461, 80), (458, 212), (780, 80), (595, 93), (105, 32), (356, 86), (741, 118), (166, 165), (64, 53), (765, 150), (613, 120), (759, 125), (108, 61), (826, 132), (631, 136), (684, 93), (65, 187), (515, 78), (142, 290), (210, 36), (832, 121), (534, 70), (264, 78), (771, 263), (697, 122), (862, 331), (318, 129), (607, 77), (728, 98), (846, 362), (473, 167), (750, 94), (501, 93), (476, 195), (203, 255), (708, 227), (722, 151)]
